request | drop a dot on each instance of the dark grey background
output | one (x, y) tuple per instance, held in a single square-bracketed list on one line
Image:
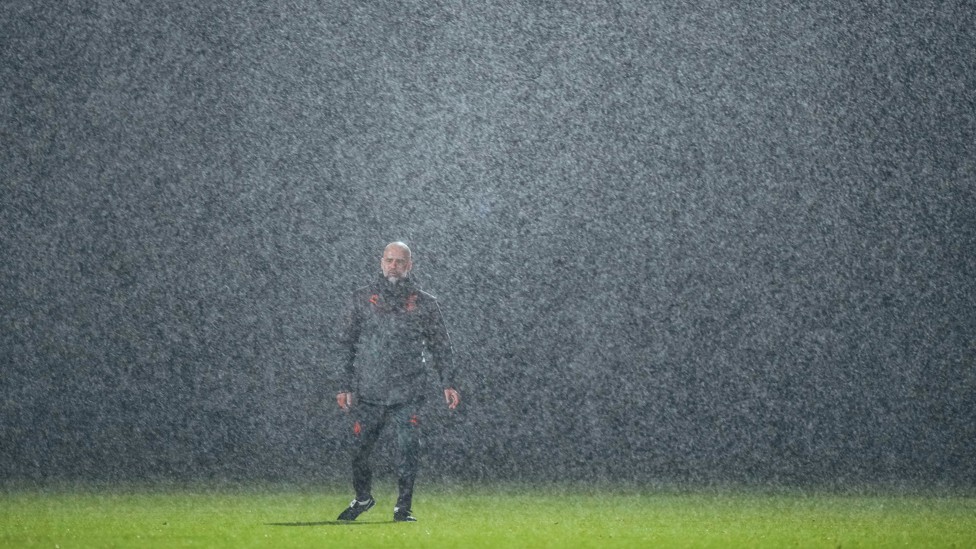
[(704, 241)]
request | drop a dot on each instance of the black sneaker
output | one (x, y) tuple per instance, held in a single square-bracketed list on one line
[(402, 515), (356, 508)]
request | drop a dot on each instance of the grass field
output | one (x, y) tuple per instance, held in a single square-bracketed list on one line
[(481, 517)]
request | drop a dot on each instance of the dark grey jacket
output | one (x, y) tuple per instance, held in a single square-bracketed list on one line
[(392, 336)]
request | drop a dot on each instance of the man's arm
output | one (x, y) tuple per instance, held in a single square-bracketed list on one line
[(346, 352), (442, 355)]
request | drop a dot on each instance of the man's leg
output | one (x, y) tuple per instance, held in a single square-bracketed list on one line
[(407, 423), (369, 420)]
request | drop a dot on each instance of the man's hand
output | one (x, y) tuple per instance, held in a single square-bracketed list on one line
[(452, 397), (344, 400)]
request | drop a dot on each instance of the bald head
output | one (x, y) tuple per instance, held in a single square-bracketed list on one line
[(396, 262), (398, 245)]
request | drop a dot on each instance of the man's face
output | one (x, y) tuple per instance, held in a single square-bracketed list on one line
[(395, 263)]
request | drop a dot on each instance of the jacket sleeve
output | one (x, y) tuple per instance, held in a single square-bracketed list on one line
[(439, 344), (345, 345)]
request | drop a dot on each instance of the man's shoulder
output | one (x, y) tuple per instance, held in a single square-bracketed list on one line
[(376, 287), (364, 289), (426, 295), (370, 288), (363, 293), (412, 287)]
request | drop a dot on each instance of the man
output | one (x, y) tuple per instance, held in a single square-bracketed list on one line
[(392, 332)]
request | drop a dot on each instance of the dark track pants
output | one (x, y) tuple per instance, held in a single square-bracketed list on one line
[(369, 422)]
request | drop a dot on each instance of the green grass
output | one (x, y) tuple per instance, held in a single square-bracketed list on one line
[(481, 517)]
